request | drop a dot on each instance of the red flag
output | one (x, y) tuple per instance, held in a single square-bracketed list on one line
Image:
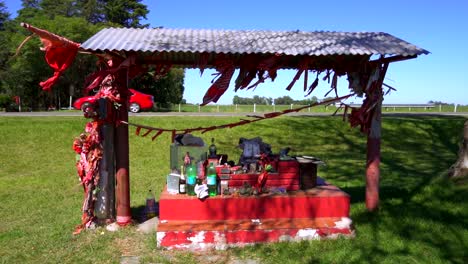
[(59, 53)]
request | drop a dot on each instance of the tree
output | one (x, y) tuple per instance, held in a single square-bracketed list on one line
[(260, 100), (91, 10), (30, 4), (76, 20), (437, 102), (22, 73), (167, 90), (4, 15), (4, 53), (284, 100), (66, 8), (308, 101), (127, 13)]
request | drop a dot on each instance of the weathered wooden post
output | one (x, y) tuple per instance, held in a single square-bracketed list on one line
[(124, 216), (105, 203), (373, 147), (373, 161)]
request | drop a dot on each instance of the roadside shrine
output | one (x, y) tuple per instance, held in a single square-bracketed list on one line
[(123, 53)]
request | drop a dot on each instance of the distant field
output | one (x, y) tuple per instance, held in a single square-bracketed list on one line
[(423, 217), (317, 109)]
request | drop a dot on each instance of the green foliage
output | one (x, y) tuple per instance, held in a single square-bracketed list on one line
[(24, 72), (30, 3), (65, 8), (284, 100), (4, 15), (5, 100), (260, 100), (308, 101), (422, 216), (127, 13), (167, 90), (76, 20)]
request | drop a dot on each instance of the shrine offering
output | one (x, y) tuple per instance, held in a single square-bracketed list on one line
[(150, 208), (183, 155), (212, 149), (173, 183), (182, 182), (191, 180), (211, 180)]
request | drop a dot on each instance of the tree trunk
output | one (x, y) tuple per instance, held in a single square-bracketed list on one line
[(460, 168)]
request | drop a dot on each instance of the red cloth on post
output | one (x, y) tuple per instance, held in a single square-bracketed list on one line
[(59, 53), (59, 58)]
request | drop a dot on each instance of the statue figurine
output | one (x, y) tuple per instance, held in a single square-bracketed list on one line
[(212, 149), (187, 159)]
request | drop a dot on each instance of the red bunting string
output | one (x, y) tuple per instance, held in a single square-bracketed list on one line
[(157, 134), (234, 124), (147, 132)]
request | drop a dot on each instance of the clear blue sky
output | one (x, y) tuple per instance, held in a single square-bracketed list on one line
[(437, 26)]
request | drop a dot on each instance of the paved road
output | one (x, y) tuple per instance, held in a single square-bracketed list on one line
[(79, 113)]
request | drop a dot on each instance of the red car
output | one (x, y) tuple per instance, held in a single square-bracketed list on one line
[(138, 101)]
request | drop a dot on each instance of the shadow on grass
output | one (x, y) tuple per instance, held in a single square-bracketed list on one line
[(423, 217), (139, 213)]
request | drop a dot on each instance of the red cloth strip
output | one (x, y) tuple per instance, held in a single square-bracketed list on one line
[(157, 135), (147, 132), (59, 53)]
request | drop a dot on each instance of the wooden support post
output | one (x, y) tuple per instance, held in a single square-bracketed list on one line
[(373, 148), (105, 204), (373, 162), (124, 216)]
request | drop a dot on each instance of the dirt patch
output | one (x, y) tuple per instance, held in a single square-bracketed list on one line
[(130, 246)]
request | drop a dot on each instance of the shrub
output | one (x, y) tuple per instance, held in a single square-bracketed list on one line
[(5, 100)]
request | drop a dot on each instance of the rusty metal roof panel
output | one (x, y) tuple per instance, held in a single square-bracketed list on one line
[(250, 41)]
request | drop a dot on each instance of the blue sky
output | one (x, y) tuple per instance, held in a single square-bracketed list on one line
[(437, 26)]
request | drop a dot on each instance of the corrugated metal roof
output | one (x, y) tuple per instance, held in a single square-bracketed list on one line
[(250, 41)]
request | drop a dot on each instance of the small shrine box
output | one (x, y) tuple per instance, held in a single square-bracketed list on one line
[(178, 152)]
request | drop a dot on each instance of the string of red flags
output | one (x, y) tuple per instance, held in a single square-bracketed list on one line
[(147, 130)]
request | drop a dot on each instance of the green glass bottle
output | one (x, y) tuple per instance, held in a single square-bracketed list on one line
[(191, 179), (211, 180)]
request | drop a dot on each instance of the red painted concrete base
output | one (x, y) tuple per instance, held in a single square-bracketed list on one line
[(227, 221), (203, 235)]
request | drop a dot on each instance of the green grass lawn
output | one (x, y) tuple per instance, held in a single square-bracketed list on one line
[(423, 218)]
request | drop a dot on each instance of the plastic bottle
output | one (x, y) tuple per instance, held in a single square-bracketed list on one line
[(191, 179), (182, 182), (211, 180), (150, 205)]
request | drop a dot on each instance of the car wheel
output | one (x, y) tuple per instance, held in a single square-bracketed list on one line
[(84, 106), (134, 108)]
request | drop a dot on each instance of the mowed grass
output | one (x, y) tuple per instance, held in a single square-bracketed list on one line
[(423, 218)]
